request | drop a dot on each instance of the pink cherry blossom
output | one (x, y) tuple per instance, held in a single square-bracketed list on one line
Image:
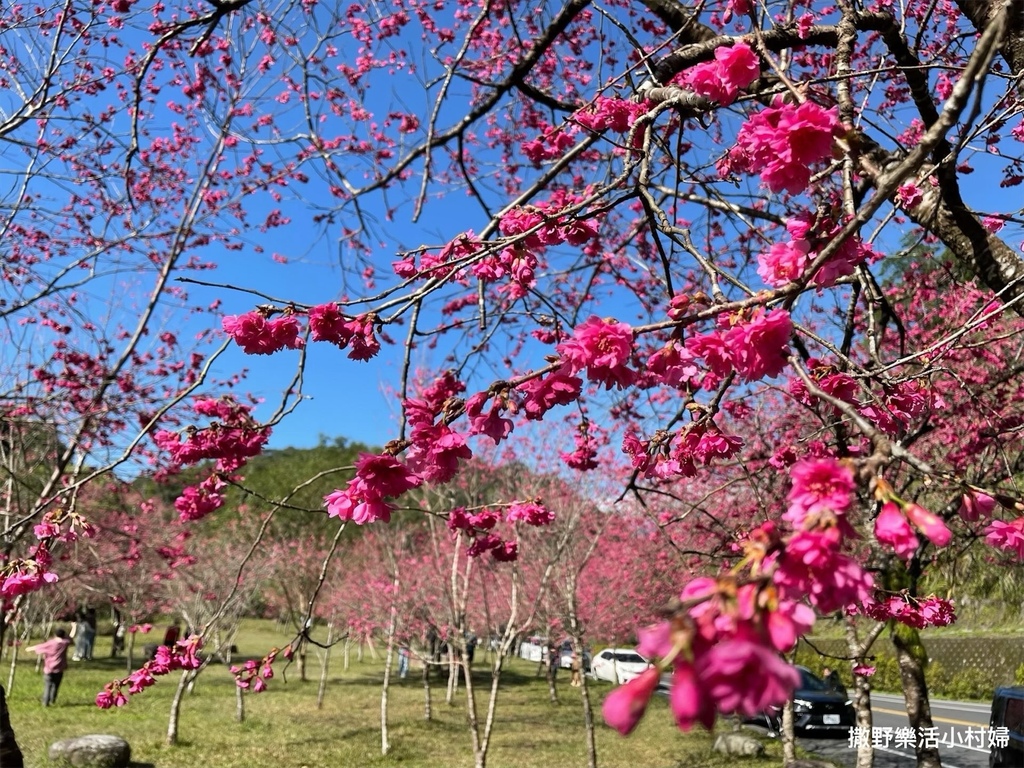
[(1010, 536), (786, 624), (674, 365), (734, 68), (540, 395), (384, 475), (491, 422), (603, 348), (782, 143), (506, 552), (819, 484), (436, 453), (746, 678), (257, 335), (975, 505), (687, 700), (784, 262), (757, 347), (530, 512), (892, 528)]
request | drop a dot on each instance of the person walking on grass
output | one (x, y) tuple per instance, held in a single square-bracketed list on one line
[(55, 660)]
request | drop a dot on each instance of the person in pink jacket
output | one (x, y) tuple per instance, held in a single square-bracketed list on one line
[(55, 660)]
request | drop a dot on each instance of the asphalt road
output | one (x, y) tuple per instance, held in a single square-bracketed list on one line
[(958, 732)]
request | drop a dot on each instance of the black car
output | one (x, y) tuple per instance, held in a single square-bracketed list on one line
[(817, 708), (1008, 713)]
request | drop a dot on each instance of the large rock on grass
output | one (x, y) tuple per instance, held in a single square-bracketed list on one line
[(96, 751), (738, 744)]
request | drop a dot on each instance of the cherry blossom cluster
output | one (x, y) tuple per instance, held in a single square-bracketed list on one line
[(182, 655), (734, 68), (528, 231), (723, 644), (917, 612), (479, 526), (892, 410), (672, 454), (612, 114), (602, 348), (230, 439), (258, 334), (753, 344), (604, 113), (253, 674), (64, 526), (786, 262), (197, 501), (584, 457), (20, 576), (899, 522), (782, 144), (378, 479)]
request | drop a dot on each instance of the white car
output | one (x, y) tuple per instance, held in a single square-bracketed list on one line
[(618, 665)]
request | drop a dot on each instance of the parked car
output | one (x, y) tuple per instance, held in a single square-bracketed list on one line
[(565, 656), (1008, 712), (618, 665), (817, 707)]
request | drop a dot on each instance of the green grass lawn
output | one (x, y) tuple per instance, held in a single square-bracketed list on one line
[(284, 729)]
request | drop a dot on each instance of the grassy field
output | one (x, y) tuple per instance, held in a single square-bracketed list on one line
[(284, 729)]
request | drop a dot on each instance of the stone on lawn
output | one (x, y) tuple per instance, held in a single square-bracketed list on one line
[(96, 751), (738, 744)]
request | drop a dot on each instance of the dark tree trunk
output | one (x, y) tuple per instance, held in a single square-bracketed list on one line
[(910, 655), (10, 755)]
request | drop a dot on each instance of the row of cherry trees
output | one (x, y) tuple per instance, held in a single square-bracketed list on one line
[(734, 245)]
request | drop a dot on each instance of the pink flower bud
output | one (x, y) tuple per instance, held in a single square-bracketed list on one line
[(929, 524), (625, 706)]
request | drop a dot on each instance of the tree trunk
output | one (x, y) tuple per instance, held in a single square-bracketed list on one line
[(787, 735), (588, 714), (862, 690), (427, 710), (389, 655), (324, 666), (479, 750), (14, 665), (453, 676), (239, 705), (300, 659), (911, 657), (130, 652), (10, 755), (172, 723), (345, 664), (552, 674)]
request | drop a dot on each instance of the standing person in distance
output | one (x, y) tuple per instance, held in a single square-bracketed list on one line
[(55, 660)]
